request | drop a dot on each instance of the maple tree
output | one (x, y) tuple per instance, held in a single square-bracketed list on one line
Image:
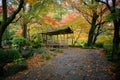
[(93, 14), (6, 21), (113, 7)]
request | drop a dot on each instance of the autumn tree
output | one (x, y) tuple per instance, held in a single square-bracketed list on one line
[(113, 7), (6, 20), (33, 13), (93, 13)]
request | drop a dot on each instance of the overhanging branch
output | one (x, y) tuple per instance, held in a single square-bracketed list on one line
[(10, 19)]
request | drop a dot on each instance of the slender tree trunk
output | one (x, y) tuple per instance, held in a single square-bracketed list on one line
[(116, 38), (92, 29), (24, 33), (96, 35), (76, 39), (95, 38), (1, 34)]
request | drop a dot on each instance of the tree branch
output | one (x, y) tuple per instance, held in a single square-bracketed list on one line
[(106, 3), (101, 23), (10, 19)]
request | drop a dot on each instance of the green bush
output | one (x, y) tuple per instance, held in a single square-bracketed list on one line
[(2, 56), (88, 47), (46, 55), (13, 54), (81, 43), (9, 55), (107, 47), (19, 42), (10, 70), (99, 44)]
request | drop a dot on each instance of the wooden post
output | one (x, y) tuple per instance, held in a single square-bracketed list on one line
[(67, 40), (57, 41), (60, 39)]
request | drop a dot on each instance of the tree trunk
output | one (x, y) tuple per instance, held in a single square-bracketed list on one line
[(95, 38), (7, 20), (2, 30), (115, 49), (92, 29), (24, 33), (76, 39)]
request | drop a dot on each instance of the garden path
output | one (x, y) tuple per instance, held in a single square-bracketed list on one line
[(73, 64)]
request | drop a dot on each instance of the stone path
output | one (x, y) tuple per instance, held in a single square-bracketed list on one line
[(73, 64)]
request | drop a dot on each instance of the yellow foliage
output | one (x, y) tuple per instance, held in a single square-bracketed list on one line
[(31, 2)]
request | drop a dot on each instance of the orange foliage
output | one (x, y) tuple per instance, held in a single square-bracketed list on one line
[(50, 20), (19, 32), (68, 18)]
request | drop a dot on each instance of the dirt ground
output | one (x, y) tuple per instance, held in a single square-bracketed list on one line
[(73, 64)]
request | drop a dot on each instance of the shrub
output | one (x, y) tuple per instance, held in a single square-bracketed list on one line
[(19, 42), (108, 47), (2, 56), (81, 43), (9, 55), (99, 44), (46, 55), (12, 54), (10, 70)]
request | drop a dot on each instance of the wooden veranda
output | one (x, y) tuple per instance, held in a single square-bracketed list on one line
[(56, 38)]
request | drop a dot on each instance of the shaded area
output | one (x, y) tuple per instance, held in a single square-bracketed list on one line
[(73, 64)]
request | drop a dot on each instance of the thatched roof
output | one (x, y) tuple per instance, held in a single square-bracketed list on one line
[(65, 30)]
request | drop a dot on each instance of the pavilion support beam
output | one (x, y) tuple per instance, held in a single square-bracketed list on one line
[(67, 40)]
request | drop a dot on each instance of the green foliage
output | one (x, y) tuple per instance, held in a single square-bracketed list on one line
[(109, 57), (88, 47), (99, 44), (20, 41), (57, 50), (108, 47), (2, 56), (11, 70), (47, 55), (13, 54), (9, 55), (41, 50), (81, 43), (113, 16), (36, 41)]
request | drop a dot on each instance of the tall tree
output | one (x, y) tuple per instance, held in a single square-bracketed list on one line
[(113, 7), (6, 20), (92, 12)]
